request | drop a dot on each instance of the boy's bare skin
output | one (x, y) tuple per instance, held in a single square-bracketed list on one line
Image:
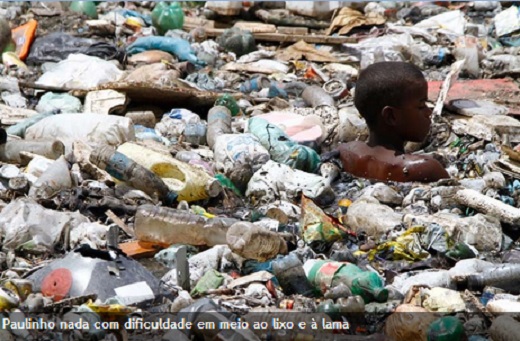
[(383, 157)]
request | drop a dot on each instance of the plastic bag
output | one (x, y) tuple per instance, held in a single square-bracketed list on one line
[(24, 220), (57, 46), (176, 46), (76, 73), (282, 148), (93, 129), (318, 226), (65, 103), (232, 148)]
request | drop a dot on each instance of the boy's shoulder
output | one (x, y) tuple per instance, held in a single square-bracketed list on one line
[(380, 163)]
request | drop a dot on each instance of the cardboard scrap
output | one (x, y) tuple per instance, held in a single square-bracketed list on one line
[(302, 50), (349, 18)]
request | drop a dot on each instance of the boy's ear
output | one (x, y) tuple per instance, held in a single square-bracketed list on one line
[(389, 116)]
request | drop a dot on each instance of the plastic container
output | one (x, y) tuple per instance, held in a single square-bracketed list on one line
[(167, 16), (189, 182), (219, 123), (54, 179), (252, 242), (169, 226), (325, 274), (23, 37), (504, 277), (122, 168), (51, 149), (291, 276)]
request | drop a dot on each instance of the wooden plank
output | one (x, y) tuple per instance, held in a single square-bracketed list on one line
[(255, 27), (120, 223), (285, 38), (293, 30)]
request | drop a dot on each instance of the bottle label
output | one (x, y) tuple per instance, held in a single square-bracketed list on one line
[(325, 275)]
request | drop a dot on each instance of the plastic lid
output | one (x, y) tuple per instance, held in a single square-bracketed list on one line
[(446, 328), (57, 284)]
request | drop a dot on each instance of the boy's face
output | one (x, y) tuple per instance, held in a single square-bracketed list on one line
[(413, 116)]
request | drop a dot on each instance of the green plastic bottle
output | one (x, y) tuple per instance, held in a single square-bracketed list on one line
[(229, 102), (85, 7), (447, 328), (325, 274), (166, 16)]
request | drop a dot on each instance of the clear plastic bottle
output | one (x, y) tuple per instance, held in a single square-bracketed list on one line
[(169, 226), (219, 123), (253, 242), (505, 277), (51, 149), (291, 276), (137, 176)]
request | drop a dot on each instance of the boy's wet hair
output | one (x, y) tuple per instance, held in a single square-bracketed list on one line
[(384, 84)]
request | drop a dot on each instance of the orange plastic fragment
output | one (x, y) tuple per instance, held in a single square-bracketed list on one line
[(23, 37)]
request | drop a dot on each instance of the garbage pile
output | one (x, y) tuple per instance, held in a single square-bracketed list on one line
[(169, 170)]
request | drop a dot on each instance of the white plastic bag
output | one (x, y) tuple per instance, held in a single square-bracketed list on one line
[(232, 148), (24, 220), (80, 71), (93, 129)]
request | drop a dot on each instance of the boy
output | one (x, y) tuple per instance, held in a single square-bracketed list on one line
[(391, 96)]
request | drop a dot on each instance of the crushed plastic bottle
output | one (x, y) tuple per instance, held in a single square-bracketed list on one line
[(325, 274)]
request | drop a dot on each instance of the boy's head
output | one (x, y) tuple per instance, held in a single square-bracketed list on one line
[(394, 95)]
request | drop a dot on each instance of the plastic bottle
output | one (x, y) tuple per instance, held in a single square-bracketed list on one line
[(122, 168), (281, 147), (447, 328), (317, 97), (504, 277), (85, 7), (255, 84), (219, 123), (229, 102), (325, 274), (291, 276), (190, 182), (51, 149), (169, 226), (167, 16), (253, 242), (195, 133), (187, 156), (54, 179)]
